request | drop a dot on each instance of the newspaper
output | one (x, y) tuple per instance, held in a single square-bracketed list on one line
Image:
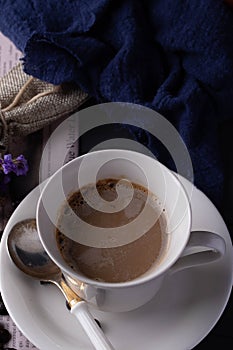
[(9, 55), (50, 162), (64, 141), (18, 340)]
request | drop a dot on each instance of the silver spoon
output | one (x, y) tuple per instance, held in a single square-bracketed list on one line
[(29, 256)]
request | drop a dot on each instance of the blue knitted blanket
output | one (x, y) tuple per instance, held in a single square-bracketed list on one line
[(175, 57)]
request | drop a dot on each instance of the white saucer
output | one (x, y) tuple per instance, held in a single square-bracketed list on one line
[(178, 318)]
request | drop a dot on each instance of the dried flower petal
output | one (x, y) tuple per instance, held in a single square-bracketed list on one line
[(8, 164), (21, 166), (18, 166)]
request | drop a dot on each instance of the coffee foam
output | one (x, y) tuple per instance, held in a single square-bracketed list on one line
[(135, 219), (111, 262)]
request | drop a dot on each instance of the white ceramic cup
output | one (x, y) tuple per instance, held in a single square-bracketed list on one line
[(185, 248)]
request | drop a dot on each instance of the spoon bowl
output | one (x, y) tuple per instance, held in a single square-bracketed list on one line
[(28, 254)]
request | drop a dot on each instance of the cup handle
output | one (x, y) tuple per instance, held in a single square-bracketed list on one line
[(203, 247)]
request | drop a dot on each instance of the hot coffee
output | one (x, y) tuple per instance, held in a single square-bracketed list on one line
[(115, 264)]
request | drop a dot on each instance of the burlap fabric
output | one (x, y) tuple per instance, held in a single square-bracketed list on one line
[(28, 104)]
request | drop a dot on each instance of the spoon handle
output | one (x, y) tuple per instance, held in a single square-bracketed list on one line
[(94, 332)]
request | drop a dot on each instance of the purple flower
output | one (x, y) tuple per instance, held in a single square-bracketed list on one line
[(17, 166), (21, 166), (8, 164)]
